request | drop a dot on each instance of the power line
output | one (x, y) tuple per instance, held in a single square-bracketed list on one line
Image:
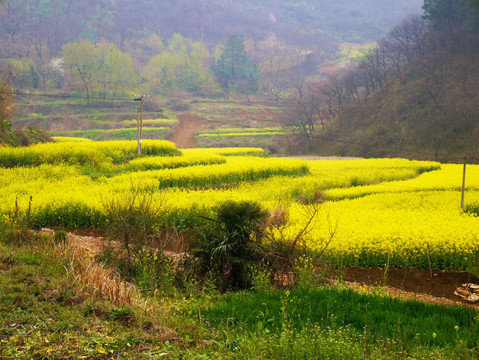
[(66, 96)]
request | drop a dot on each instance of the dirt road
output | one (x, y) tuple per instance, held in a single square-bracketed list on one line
[(183, 134)]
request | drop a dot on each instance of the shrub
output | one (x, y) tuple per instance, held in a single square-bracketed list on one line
[(133, 218), (233, 241), (153, 272), (16, 226)]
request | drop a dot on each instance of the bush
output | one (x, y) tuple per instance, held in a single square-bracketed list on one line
[(133, 218), (15, 227), (153, 272), (233, 241)]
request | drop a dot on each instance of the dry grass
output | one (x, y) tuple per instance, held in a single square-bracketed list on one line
[(91, 279)]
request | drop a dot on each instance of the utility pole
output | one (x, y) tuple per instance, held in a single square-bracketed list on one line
[(138, 127), (463, 183), (140, 98)]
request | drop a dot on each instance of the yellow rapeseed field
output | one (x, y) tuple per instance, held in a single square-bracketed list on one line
[(382, 211)]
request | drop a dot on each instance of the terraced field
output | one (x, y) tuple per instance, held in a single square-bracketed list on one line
[(394, 211)]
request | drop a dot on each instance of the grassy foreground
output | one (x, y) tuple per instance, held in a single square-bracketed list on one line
[(48, 312)]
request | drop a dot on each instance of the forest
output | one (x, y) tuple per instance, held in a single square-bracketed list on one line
[(156, 42)]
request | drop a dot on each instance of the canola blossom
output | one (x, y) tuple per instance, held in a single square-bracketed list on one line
[(383, 211), (241, 132), (69, 139), (82, 153)]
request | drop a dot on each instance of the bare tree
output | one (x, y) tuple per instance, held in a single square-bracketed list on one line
[(6, 97), (335, 95)]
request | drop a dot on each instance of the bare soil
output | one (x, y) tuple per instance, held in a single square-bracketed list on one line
[(183, 134), (412, 283)]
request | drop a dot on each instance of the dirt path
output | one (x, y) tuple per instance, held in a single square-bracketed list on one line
[(183, 134)]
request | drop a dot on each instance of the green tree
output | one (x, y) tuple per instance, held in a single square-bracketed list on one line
[(116, 70), (452, 12), (24, 73), (83, 62), (233, 70), (181, 67), (103, 70)]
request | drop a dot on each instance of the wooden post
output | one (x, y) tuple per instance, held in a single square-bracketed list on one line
[(141, 125), (138, 127), (463, 184), (139, 121), (140, 98)]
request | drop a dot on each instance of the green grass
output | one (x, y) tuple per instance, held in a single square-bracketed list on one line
[(43, 317), (116, 134), (384, 317)]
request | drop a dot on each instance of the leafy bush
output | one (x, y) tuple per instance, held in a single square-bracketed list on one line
[(153, 272), (233, 241)]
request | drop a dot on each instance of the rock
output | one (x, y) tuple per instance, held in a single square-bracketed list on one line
[(473, 298), (468, 292)]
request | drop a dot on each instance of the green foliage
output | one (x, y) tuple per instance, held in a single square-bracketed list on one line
[(24, 74), (181, 67), (233, 70), (472, 208), (454, 12), (308, 274), (69, 216), (120, 313), (15, 227), (233, 240), (261, 277), (410, 323), (100, 71), (153, 272)]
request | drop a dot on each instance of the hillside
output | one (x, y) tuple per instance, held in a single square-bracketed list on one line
[(414, 95), (53, 23), (22, 137)]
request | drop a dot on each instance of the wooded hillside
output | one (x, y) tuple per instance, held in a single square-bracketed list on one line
[(413, 95)]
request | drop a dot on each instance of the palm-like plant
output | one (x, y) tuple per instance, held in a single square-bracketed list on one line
[(234, 240)]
